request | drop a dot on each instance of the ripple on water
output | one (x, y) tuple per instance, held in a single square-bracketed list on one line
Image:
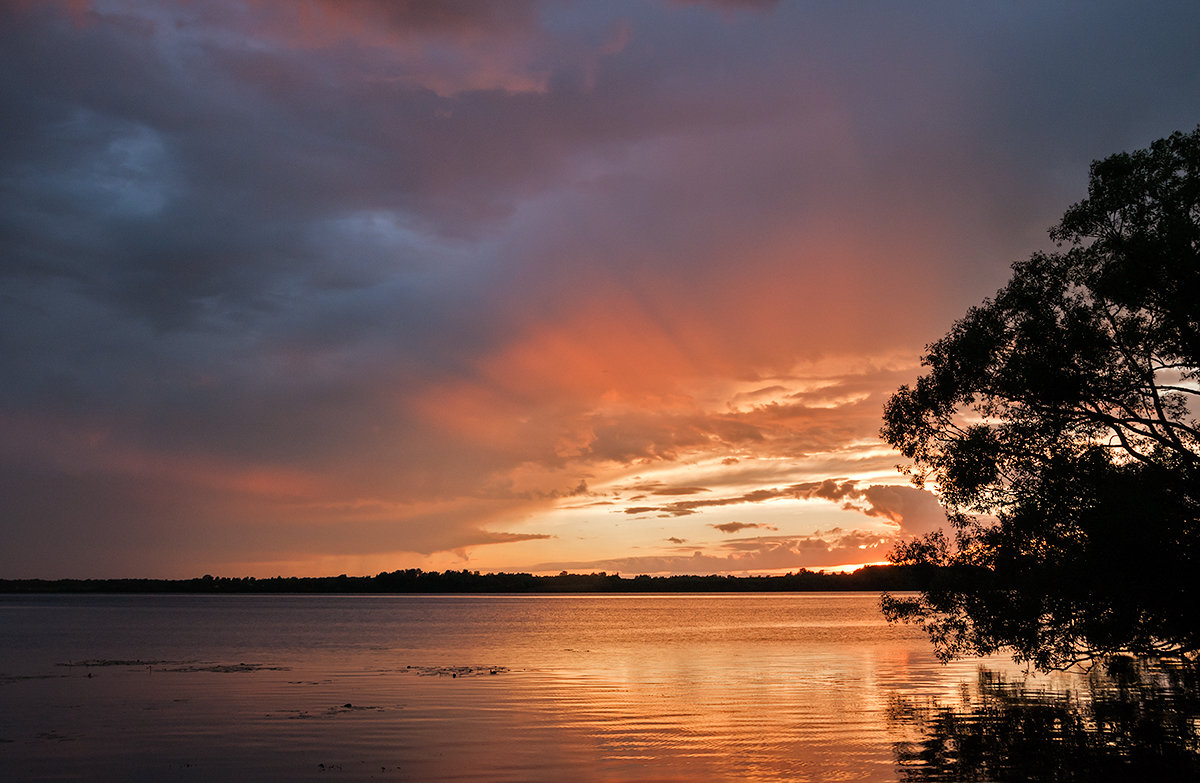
[(765, 688)]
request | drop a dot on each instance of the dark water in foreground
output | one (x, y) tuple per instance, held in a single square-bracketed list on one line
[(519, 688)]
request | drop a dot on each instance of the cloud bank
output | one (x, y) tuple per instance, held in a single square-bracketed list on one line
[(353, 286)]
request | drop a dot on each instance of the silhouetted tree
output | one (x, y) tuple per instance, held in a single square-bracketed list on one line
[(1058, 422)]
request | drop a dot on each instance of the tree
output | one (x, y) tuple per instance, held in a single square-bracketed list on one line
[(1058, 422)]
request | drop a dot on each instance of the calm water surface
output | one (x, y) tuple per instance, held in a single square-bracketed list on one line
[(459, 688)]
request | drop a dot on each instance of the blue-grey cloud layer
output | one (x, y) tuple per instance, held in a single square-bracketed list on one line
[(234, 244)]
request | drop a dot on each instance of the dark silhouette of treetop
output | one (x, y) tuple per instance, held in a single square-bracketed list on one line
[(1058, 421)]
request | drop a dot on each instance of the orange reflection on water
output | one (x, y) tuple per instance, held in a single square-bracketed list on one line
[(604, 688)]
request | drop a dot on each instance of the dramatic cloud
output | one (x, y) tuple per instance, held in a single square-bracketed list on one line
[(349, 286), (915, 511)]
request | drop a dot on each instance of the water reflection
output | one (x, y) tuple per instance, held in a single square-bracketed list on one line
[(1121, 722), (619, 688), (777, 688)]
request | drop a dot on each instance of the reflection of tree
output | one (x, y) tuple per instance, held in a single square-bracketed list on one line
[(1130, 722)]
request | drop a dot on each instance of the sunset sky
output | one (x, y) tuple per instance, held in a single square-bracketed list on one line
[(332, 286)]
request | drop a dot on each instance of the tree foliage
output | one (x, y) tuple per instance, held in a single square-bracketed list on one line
[(1058, 421)]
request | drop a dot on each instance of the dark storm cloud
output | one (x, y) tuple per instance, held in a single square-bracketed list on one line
[(272, 267), (732, 4), (404, 17)]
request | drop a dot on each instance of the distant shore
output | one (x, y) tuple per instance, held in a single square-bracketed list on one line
[(869, 578)]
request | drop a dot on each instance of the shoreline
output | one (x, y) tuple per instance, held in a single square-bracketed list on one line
[(415, 581)]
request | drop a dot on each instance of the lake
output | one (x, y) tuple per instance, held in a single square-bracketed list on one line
[(763, 687)]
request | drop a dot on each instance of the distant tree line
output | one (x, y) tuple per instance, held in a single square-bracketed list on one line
[(414, 580)]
